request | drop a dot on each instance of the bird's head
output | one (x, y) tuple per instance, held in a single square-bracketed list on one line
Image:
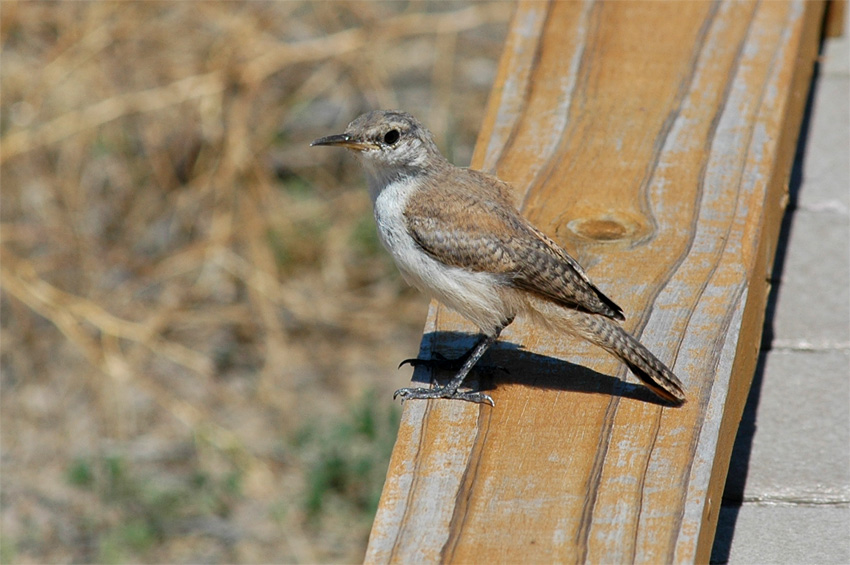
[(388, 142)]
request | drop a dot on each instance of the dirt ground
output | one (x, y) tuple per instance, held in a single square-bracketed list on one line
[(200, 331)]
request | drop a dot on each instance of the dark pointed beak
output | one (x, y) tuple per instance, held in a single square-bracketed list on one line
[(343, 140)]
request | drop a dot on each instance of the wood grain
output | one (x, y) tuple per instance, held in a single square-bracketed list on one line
[(654, 140)]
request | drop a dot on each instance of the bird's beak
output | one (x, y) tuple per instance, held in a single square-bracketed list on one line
[(343, 140)]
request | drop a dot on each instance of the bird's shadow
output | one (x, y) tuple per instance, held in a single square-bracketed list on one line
[(508, 362)]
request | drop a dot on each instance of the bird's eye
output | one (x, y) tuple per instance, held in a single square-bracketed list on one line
[(391, 136)]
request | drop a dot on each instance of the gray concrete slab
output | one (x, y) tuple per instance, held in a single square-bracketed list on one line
[(793, 445), (812, 309), (785, 534), (826, 165)]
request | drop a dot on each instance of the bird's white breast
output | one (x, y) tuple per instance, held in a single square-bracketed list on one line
[(478, 296)]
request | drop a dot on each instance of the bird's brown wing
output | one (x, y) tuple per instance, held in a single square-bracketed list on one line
[(477, 230), (552, 273)]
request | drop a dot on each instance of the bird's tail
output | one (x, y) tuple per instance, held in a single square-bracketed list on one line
[(610, 336)]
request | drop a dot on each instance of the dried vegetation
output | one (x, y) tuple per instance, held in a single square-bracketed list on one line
[(199, 330)]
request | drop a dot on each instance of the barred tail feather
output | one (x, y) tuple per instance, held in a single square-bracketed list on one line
[(646, 366), (609, 335)]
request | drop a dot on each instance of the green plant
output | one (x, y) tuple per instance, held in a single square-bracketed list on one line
[(143, 511), (349, 458)]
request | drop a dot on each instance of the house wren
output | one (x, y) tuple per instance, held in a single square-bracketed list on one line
[(456, 236)]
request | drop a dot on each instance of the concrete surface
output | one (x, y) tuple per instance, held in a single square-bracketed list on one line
[(788, 534), (787, 498)]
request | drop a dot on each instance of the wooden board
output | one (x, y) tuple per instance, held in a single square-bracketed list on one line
[(654, 141), (834, 24)]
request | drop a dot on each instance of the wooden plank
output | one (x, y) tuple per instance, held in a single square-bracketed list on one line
[(834, 25), (654, 141)]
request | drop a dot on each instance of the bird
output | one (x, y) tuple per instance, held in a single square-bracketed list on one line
[(455, 234)]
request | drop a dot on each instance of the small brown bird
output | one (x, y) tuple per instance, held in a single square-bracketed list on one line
[(456, 236)]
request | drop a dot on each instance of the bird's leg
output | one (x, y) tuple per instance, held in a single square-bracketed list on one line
[(450, 390)]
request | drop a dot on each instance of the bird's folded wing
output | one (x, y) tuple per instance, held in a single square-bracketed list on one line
[(480, 235)]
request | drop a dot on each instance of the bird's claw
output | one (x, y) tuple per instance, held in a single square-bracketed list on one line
[(438, 361), (442, 392)]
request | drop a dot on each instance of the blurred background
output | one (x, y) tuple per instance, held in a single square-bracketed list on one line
[(200, 330)]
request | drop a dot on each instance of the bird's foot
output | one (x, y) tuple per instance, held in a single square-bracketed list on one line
[(442, 392)]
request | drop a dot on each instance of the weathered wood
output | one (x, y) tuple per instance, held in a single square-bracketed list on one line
[(654, 141)]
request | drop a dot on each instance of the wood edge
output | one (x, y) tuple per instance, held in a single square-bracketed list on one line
[(748, 350), (834, 25), (491, 107)]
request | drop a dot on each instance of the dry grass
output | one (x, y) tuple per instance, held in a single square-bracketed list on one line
[(200, 331)]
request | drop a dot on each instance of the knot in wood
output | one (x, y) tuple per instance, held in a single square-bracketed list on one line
[(603, 229)]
